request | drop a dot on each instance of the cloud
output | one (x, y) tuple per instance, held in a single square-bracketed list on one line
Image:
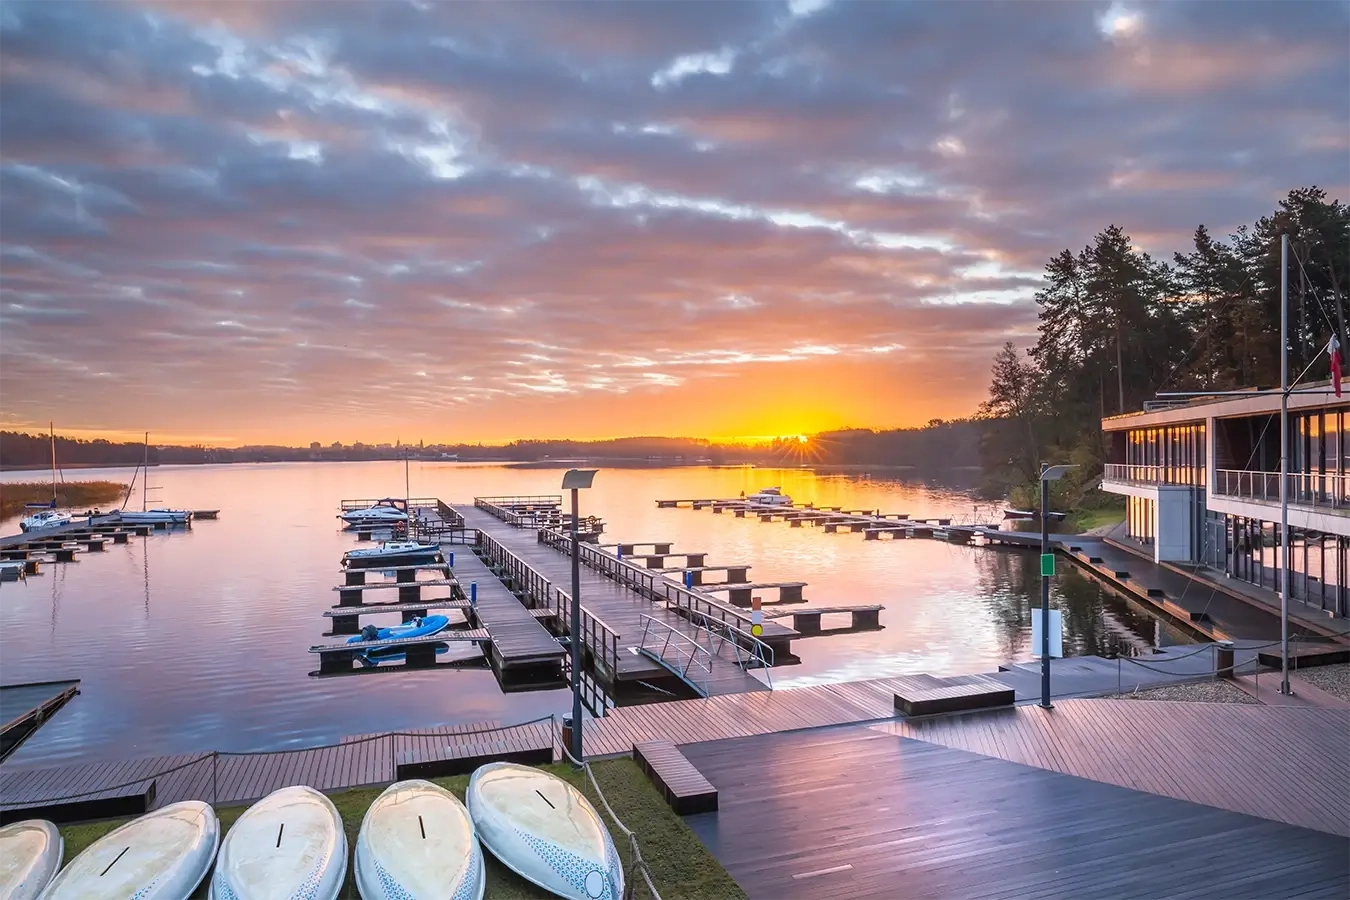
[(298, 220)]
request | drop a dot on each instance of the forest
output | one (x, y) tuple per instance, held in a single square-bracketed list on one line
[(1117, 326)]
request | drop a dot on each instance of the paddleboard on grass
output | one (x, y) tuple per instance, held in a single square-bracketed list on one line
[(163, 855), (417, 840), (288, 844), (30, 854), (544, 830)]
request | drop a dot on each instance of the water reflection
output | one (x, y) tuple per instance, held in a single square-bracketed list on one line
[(198, 639)]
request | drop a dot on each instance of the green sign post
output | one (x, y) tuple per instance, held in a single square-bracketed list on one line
[(1048, 565)]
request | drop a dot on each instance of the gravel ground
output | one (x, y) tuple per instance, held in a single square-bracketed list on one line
[(1200, 692), (1334, 680)]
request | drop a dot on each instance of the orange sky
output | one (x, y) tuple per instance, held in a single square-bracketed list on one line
[(292, 221)]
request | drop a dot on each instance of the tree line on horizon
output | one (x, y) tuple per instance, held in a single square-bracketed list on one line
[(940, 444), (1117, 326)]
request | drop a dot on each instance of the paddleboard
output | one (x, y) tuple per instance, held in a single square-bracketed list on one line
[(30, 854), (163, 855), (288, 844), (544, 830), (417, 841)]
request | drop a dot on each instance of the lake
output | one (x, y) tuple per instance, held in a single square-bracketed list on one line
[(196, 640)]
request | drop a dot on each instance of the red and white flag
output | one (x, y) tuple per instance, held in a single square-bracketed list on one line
[(1334, 351)]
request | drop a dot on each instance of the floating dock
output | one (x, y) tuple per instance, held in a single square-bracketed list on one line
[(25, 707)]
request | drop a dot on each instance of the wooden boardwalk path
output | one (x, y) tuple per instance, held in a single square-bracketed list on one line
[(518, 639), (851, 812), (619, 607)]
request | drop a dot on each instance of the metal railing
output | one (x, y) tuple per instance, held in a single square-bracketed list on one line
[(698, 608), (682, 654), (430, 502), (1328, 491), (1187, 476), (538, 592)]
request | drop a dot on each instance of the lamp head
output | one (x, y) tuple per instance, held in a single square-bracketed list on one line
[(1055, 473), (578, 479)]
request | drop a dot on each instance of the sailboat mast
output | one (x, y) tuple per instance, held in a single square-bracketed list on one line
[(1284, 464), (145, 505), (51, 428)]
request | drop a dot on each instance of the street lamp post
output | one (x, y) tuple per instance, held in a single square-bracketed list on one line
[(1049, 473), (575, 480)]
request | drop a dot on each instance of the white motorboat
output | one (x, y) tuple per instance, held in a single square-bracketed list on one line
[(771, 496), (375, 515), (288, 844), (417, 840), (41, 521), (391, 552), (163, 855), (545, 831), (156, 516), (30, 854)]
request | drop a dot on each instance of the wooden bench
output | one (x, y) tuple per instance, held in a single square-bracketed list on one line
[(924, 695), (683, 786)]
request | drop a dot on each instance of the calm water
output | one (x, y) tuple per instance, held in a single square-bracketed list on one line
[(197, 640)]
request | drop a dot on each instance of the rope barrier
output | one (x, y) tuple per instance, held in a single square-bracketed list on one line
[(639, 864), (216, 754)]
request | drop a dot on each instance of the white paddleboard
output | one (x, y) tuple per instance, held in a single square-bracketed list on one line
[(30, 854), (163, 855), (546, 831), (288, 844), (417, 841)]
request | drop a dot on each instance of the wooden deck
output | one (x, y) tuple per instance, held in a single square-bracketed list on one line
[(518, 639), (238, 778), (852, 812), (1285, 763), (617, 606), (25, 707)]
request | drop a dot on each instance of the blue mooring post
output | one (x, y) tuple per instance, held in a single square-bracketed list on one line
[(473, 594), (689, 580), (452, 559)]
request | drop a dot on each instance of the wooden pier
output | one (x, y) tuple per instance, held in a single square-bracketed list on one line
[(613, 624), (521, 649), (25, 707)]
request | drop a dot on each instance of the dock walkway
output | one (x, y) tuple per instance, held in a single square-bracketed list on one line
[(618, 607), (25, 707), (518, 639)]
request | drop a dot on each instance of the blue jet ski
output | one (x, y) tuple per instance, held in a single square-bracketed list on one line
[(418, 627)]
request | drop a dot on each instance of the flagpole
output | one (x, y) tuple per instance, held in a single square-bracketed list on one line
[(1284, 465)]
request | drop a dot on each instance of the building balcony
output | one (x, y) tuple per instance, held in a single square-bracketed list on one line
[(1151, 476), (1321, 492)]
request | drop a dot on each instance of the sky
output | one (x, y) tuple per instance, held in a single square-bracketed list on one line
[(248, 222)]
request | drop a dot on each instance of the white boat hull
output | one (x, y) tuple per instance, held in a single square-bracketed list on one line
[(163, 855), (544, 830), (43, 522), (417, 840), (288, 844), (30, 855), (388, 516)]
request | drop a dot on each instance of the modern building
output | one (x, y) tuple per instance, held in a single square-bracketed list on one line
[(1202, 486)]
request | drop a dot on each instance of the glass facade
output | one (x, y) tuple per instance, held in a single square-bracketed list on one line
[(1173, 454), (1318, 573), (1320, 457), (1139, 520)]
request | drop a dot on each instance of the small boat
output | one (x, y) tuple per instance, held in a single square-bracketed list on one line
[(30, 854), (48, 517), (417, 840), (418, 627), (163, 855), (770, 497), (42, 521), (544, 830), (391, 552), (382, 513), (1023, 514), (156, 516), (288, 844)]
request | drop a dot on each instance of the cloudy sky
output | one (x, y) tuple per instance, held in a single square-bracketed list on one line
[(295, 221)]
